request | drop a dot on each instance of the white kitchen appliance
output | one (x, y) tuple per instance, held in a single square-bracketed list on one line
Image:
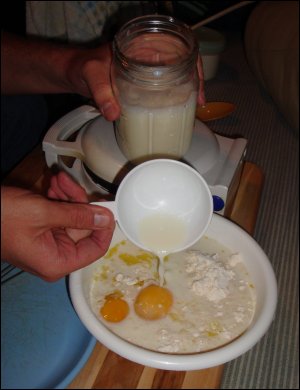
[(83, 144)]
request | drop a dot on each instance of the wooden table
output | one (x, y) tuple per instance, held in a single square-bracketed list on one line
[(107, 370)]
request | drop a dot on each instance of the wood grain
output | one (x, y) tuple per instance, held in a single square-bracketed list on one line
[(246, 204), (107, 370), (203, 379)]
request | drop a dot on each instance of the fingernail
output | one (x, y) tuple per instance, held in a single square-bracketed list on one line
[(107, 109), (101, 220)]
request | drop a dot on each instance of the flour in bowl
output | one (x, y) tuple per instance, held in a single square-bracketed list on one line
[(207, 299)]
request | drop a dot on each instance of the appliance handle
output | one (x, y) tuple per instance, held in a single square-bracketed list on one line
[(55, 141)]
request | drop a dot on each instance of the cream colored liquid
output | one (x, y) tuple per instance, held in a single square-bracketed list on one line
[(162, 234), (157, 125), (195, 323)]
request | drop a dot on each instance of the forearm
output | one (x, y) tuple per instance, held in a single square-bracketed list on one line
[(34, 66)]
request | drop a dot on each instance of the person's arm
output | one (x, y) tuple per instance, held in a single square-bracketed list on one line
[(36, 66)]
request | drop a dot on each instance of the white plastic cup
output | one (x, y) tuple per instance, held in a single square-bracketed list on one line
[(164, 188)]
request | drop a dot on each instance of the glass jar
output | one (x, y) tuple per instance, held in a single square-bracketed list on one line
[(155, 79)]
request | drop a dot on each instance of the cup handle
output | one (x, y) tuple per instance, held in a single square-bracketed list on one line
[(55, 142)]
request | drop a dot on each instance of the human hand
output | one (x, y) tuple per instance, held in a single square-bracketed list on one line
[(35, 233), (35, 66), (89, 73)]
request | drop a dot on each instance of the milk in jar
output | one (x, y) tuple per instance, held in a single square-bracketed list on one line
[(156, 82)]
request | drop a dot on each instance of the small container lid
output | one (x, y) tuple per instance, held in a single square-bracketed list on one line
[(210, 41)]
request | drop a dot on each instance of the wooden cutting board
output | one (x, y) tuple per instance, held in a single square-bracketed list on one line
[(107, 370)]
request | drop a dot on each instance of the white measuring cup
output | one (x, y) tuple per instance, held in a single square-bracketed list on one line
[(162, 206)]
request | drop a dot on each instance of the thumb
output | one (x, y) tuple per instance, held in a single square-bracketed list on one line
[(104, 98), (80, 216)]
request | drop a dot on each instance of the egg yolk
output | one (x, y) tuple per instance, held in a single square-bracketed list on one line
[(114, 309), (153, 302)]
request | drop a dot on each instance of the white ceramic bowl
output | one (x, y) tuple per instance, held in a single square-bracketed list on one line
[(261, 273)]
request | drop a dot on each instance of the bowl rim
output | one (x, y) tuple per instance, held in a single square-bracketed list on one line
[(192, 361)]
